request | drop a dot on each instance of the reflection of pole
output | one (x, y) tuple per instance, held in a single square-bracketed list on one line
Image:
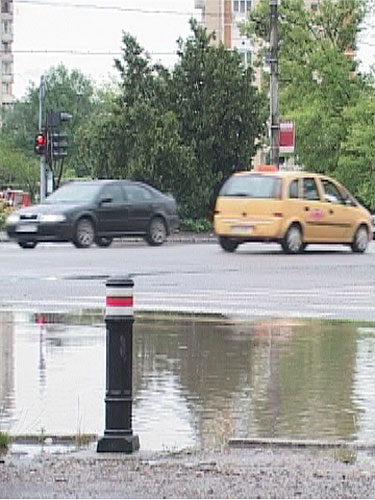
[(43, 165), (118, 434), (274, 86)]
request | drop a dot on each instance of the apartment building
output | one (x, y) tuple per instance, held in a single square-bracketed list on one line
[(6, 55), (223, 17)]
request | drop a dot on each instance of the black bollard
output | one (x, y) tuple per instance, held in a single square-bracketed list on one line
[(119, 318)]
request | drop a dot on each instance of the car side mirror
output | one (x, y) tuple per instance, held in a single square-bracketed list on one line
[(103, 201)]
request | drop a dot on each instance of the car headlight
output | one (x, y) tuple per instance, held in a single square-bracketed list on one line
[(52, 218), (12, 218)]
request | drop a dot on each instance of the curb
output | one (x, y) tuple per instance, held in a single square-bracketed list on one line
[(298, 443), (174, 238)]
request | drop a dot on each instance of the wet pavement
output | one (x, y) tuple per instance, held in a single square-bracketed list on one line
[(198, 381), (224, 408)]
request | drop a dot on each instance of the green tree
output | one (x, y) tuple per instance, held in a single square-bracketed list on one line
[(318, 81), (66, 91), (17, 170), (219, 109), (184, 130), (358, 149)]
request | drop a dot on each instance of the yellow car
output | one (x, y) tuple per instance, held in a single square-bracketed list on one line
[(291, 208)]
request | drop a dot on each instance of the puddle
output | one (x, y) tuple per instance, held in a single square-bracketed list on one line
[(197, 381)]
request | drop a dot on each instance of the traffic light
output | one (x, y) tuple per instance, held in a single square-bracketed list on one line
[(58, 145), (40, 144), (56, 118)]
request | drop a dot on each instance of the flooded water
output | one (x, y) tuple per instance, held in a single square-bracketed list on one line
[(197, 381)]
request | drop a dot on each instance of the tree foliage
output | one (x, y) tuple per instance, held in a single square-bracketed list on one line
[(183, 130), (322, 89), (66, 91), (17, 170)]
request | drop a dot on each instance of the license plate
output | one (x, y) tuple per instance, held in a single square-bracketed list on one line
[(242, 229), (27, 228)]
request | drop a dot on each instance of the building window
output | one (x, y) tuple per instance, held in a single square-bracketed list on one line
[(5, 27), (248, 5), (6, 68), (5, 9), (242, 6), (235, 5), (5, 47), (246, 57), (6, 88)]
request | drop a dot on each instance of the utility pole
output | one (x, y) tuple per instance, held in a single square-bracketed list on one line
[(274, 86), (43, 163)]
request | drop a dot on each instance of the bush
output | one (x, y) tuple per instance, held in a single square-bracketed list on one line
[(196, 225), (4, 211), (4, 440)]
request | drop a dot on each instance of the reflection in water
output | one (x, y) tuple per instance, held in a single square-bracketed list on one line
[(6, 366), (197, 381)]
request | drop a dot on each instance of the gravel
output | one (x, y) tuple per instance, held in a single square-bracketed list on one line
[(256, 472)]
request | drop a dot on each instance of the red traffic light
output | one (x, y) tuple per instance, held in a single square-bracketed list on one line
[(41, 140), (40, 144)]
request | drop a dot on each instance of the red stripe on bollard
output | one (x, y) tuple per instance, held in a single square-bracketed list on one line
[(120, 301)]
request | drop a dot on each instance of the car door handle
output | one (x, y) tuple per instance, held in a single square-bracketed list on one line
[(331, 211), (307, 209)]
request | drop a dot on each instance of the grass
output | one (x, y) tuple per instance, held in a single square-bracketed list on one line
[(4, 440)]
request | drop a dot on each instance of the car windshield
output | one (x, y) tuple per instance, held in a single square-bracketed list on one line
[(74, 193), (252, 186)]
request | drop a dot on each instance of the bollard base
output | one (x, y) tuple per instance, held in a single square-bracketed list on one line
[(118, 444)]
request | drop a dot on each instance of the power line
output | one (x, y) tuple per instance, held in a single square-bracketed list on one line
[(113, 8), (81, 52)]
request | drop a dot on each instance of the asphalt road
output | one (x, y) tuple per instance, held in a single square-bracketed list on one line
[(257, 280)]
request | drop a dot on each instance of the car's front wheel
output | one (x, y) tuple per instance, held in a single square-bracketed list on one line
[(103, 241), (228, 244), (84, 233), (360, 240), (27, 244), (157, 232), (292, 242)]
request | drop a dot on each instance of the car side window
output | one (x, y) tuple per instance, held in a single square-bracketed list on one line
[(310, 190), (136, 193), (331, 192), (293, 189), (113, 193)]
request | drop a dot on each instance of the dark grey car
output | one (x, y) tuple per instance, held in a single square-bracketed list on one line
[(97, 211)]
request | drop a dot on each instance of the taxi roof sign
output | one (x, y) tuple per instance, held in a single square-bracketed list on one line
[(266, 168)]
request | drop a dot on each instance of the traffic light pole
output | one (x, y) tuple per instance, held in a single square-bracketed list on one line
[(43, 163), (274, 87)]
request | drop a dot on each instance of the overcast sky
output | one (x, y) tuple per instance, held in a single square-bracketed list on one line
[(70, 26), (52, 25)]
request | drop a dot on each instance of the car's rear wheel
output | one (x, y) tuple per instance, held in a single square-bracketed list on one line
[(228, 244), (292, 242), (84, 233), (360, 240), (27, 244), (103, 241), (157, 232)]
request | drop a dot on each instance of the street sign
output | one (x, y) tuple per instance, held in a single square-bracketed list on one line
[(287, 136)]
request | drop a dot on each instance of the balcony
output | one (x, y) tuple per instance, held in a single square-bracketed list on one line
[(7, 78), (7, 99), (7, 37), (6, 57)]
